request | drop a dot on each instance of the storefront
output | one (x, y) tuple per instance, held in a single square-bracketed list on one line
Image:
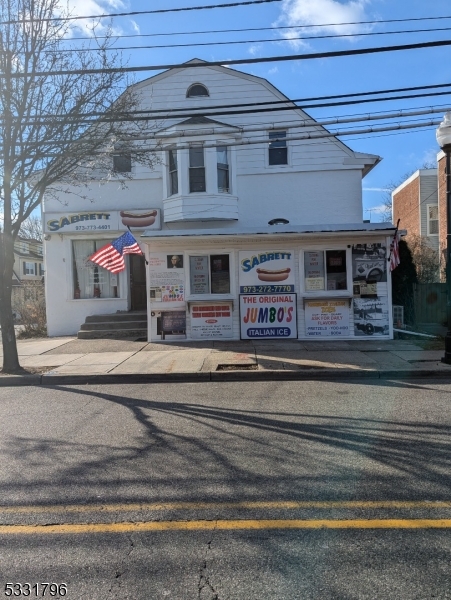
[(280, 283), (75, 286)]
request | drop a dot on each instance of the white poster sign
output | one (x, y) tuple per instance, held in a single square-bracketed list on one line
[(266, 272), (371, 317), (327, 318), (166, 278), (268, 316), (211, 321)]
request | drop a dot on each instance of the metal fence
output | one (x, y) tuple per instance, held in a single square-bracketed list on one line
[(430, 302)]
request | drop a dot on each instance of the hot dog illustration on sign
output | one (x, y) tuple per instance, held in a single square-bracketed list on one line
[(269, 275), (138, 218), (266, 272)]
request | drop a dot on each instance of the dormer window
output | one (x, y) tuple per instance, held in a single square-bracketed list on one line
[(197, 90)]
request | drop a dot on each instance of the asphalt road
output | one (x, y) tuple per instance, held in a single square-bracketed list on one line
[(217, 491)]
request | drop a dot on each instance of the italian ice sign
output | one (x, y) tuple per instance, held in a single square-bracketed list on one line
[(268, 316), (266, 272), (327, 318)]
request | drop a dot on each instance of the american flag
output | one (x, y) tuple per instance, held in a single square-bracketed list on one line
[(394, 252), (111, 256)]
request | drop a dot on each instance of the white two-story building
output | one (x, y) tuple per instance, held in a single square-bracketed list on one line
[(251, 223)]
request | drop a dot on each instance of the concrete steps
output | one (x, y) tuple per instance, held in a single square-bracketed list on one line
[(114, 326)]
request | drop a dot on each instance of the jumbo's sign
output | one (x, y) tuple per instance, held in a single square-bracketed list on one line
[(268, 316), (266, 272), (101, 221)]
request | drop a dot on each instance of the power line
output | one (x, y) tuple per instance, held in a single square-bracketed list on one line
[(271, 103), (140, 12), (311, 123), (232, 42), (316, 135), (242, 61), (149, 115), (246, 29)]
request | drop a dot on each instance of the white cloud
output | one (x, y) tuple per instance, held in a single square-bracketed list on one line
[(376, 189), (273, 70), (327, 14), (135, 26), (255, 49), (430, 156), (84, 8)]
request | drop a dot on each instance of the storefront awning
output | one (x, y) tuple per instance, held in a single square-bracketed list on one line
[(289, 230)]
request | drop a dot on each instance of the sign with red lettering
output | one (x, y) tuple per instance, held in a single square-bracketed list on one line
[(268, 316), (212, 320)]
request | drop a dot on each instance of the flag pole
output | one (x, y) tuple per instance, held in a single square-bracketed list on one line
[(394, 237), (130, 231)]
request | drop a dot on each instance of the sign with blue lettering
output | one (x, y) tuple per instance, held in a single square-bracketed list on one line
[(266, 272), (268, 316)]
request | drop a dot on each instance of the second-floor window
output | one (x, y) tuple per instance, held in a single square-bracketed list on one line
[(277, 152), (122, 163), (223, 169), (29, 268), (173, 173), (196, 170), (432, 219)]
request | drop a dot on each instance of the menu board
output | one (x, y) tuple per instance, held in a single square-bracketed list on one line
[(314, 270), (199, 275), (174, 320), (327, 318), (211, 321)]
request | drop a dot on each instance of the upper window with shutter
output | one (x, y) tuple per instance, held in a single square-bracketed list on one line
[(432, 212)]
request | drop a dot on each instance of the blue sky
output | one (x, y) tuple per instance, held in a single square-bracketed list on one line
[(402, 152)]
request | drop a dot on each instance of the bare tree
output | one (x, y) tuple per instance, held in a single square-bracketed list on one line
[(31, 228), (63, 113), (425, 258), (387, 203)]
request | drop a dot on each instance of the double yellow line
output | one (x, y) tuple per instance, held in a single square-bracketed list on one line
[(223, 524)]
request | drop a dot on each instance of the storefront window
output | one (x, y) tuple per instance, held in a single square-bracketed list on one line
[(210, 274), (90, 280), (325, 270)]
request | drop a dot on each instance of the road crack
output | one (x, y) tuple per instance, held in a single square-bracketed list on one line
[(206, 591)]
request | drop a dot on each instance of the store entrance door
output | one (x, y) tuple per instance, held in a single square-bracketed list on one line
[(138, 282)]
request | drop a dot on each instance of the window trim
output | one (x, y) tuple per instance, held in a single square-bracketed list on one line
[(227, 170), (274, 134), (173, 151), (210, 296), (122, 292), (326, 293), (122, 156), (203, 167), (428, 206), (193, 85)]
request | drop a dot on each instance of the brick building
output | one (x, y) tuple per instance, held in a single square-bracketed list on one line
[(419, 204)]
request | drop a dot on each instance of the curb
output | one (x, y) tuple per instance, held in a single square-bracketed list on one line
[(219, 376)]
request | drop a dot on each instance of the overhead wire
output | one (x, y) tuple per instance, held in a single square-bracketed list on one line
[(150, 115), (246, 29), (139, 12), (271, 40), (240, 61)]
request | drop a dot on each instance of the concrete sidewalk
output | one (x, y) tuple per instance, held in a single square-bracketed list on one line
[(72, 361)]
